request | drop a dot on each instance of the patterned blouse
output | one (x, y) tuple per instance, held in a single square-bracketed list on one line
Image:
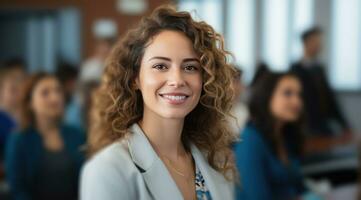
[(201, 188)]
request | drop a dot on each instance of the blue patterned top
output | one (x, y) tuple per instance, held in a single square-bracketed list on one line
[(201, 188)]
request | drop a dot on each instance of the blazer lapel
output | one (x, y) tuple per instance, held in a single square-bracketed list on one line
[(217, 185), (155, 174)]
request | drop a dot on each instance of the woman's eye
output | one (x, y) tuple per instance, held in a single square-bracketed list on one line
[(160, 67), (190, 68), (45, 93), (289, 93)]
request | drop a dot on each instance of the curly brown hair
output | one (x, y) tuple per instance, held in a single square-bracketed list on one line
[(118, 104)]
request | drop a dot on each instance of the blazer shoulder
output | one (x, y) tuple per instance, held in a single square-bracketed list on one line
[(109, 174), (115, 154)]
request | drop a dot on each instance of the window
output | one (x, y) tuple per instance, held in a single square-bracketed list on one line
[(275, 33), (302, 20), (345, 47), (209, 11), (240, 38), (283, 23)]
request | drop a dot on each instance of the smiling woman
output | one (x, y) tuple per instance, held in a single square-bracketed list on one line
[(159, 126)]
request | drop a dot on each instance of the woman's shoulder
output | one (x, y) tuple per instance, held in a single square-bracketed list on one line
[(22, 135), (115, 156), (21, 141), (251, 140), (251, 133), (109, 174)]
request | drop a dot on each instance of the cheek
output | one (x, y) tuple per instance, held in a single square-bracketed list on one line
[(149, 86), (8, 92), (62, 102), (150, 82), (196, 84), (38, 104), (277, 106), (59, 103)]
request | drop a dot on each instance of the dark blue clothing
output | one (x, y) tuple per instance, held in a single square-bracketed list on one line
[(56, 178), (25, 153), (262, 174), (7, 125)]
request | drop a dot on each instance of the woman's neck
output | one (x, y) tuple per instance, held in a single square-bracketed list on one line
[(280, 143), (164, 134), (278, 131), (278, 128), (46, 125)]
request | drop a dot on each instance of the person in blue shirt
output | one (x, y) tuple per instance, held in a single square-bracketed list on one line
[(44, 157), (12, 74), (267, 156)]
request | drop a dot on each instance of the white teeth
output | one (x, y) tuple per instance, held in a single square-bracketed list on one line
[(176, 98)]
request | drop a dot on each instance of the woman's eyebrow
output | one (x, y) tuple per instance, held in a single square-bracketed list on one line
[(168, 59), (160, 57), (191, 59)]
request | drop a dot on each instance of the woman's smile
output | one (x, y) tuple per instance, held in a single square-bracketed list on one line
[(174, 98)]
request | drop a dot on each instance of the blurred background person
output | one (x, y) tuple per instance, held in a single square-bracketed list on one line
[(262, 69), (43, 158), (12, 74), (79, 108), (324, 116), (67, 74), (239, 109), (268, 157), (94, 65)]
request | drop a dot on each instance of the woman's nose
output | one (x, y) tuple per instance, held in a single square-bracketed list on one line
[(176, 78)]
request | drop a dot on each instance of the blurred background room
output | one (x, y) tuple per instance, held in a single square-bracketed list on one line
[(318, 41)]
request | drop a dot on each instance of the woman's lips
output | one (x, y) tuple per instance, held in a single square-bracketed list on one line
[(175, 98)]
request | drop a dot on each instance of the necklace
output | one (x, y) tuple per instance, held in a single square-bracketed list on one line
[(189, 179), (177, 171)]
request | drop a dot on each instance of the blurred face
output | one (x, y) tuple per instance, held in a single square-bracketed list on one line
[(47, 99), (10, 89), (286, 103), (170, 77), (313, 45)]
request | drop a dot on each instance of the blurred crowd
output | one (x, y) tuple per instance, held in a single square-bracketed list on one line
[(52, 111)]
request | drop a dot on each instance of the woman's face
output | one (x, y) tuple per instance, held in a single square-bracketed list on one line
[(170, 77), (48, 99), (10, 89), (286, 102)]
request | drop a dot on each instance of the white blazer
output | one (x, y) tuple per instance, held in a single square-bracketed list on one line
[(130, 169)]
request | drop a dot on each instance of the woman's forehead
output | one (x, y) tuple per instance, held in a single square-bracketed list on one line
[(170, 44)]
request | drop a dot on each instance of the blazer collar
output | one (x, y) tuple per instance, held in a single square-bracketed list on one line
[(154, 172), (157, 177)]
